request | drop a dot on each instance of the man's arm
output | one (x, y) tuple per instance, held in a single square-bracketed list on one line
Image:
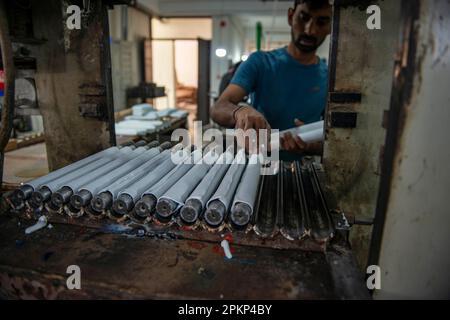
[(227, 113), (295, 144)]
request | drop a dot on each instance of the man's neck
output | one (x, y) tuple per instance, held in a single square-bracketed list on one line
[(302, 57)]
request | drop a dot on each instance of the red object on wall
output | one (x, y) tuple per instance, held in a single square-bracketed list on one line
[(2, 83)]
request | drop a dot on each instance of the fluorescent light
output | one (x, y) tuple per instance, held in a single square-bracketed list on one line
[(221, 52), (244, 57)]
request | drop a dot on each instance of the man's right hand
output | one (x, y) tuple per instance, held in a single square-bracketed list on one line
[(248, 118)]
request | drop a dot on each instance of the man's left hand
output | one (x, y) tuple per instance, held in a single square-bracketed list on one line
[(293, 143)]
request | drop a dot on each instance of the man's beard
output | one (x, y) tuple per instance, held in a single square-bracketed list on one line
[(306, 48)]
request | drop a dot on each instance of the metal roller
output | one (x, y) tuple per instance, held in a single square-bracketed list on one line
[(196, 202), (132, 193), (76, 179), (104, 199), (88, 191), (107, 195), (219, 204), (147, 204), (173, 199), (25, 191), (246, 193), (45, 191)]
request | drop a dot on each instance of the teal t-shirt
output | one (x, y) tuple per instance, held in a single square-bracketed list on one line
[(282, 89)]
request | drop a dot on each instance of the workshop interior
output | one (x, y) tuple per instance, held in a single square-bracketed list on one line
[(93, 91)]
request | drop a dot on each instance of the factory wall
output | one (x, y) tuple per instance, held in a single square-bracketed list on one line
[(163, 56), (352, 156), (230, 36), (182, 28), (175, 54), (415, 260), (126, 53)]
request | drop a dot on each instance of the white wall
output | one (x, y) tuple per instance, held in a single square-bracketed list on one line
[(178, 58), (182, 28), (232, 38), (186, 62), (164, 71), (125, 52)]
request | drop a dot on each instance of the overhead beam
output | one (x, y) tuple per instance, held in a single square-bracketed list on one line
[(209, 8)]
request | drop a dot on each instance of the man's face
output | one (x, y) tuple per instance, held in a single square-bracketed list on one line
[(309, 28)]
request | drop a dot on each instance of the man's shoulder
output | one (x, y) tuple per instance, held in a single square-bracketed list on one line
[(276, 53), (323, 67)]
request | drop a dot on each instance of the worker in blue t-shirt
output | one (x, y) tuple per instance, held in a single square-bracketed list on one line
[(287, 86)]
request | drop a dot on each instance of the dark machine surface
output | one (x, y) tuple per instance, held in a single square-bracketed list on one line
[(124, 266), (123, 259)]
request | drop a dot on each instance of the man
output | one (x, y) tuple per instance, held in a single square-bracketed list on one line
[(287, 86)]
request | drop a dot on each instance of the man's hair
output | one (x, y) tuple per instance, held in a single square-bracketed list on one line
[(312, 4)]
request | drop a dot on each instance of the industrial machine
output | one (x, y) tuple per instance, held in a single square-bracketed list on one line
[(141, 226)]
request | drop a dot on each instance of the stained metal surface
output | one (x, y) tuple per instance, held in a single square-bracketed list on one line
[(362, 61), (411, 236), (66, 62), (121, 267)]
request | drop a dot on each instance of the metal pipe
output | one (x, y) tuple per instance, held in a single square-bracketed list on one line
[(131, 194), (241, 214), (25, 191), (126, 154), (219, 204), (41, 195), (166, 207), (156, 191), (103, 201), (173, 199), (246, 193), (191, 211), (196, 202), (215, 213), (170, 180), (92, 188), (128, 197), (143, 208)]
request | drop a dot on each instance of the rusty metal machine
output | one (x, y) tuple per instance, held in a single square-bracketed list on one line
[(138, 191), (141, 226), (140, 186)]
